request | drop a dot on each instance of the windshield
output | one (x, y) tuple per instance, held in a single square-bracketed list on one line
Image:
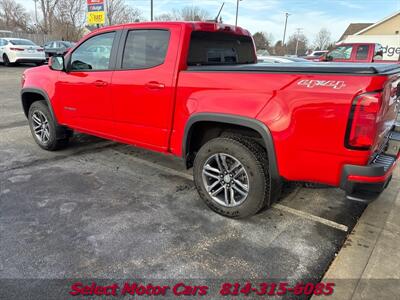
[(341, 52), (22, 42)]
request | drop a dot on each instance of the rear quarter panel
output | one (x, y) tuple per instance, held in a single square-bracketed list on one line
[(217, 92), (306, 114)]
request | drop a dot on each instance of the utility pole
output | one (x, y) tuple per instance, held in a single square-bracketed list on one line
[(36, 18), (297, 39), (192, 10), (237, 11), (284, 31), (151, 10)]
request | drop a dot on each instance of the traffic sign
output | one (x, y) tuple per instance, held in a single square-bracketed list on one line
[(90, 2), (95, 12), (96, 7)]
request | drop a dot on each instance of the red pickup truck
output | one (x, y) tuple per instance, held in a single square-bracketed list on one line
[(358, 53), (194, 90)]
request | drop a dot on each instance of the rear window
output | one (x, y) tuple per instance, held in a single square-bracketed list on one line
[(219, 48), (22, 42), (66, 44)]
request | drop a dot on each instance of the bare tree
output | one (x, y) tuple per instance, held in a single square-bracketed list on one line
[(263, 41), (69, 19), (301, 45), (279, 49), (194, 13), (14, 16), (322, 39), (119, 12), (187, 13), (48, 8), (165, 17)]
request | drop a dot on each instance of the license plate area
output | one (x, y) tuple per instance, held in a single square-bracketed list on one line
[(393, 145)]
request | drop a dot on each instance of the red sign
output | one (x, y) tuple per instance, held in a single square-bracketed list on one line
[(90, 2)]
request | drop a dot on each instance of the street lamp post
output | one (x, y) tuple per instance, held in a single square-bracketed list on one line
[(284, 31), (237, 11), (297, 39), (151, 10), (36, 17)]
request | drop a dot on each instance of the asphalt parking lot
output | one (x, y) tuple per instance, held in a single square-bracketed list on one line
[(101, 209)]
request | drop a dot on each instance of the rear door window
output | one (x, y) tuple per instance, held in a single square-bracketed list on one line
[(145, 49), (362, 52)]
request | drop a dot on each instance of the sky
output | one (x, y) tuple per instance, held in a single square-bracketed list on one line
[(269, 15)]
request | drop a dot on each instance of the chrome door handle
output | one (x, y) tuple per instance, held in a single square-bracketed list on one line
[(100, 83), (154, 85)]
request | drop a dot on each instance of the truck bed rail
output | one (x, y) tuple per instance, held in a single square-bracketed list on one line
[(320, 67)]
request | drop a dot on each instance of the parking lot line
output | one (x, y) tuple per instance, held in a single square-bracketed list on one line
[(311, 217), (281, 207)]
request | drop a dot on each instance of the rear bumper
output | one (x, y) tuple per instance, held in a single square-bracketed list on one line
[(365, 183), (26, 57), (30, 60)]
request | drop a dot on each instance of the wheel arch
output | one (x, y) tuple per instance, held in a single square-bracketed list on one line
[(30, 95), (233, 120)]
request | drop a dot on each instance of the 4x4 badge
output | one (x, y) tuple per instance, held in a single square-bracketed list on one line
[(327, 83)]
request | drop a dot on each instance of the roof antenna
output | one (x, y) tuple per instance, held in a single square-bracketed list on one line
[(220, 10)]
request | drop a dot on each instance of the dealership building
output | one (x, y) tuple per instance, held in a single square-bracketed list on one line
[(385, 32)]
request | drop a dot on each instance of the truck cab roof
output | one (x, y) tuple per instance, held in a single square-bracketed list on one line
[(192, 25)]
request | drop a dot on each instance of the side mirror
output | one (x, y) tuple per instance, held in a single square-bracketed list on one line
[(80, 65), (57, 63)]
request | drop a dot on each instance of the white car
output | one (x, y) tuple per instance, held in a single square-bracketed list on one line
[(16, 50), (279, 59), (318, 53)]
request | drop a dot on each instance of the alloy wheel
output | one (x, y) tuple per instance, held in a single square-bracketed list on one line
[(225, 180), (41, 126)]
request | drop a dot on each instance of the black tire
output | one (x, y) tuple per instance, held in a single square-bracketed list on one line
[(6, 61), (255, 162), (58, 135)]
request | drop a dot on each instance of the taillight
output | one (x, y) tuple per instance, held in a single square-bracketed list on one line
[(39, 50), (17, 49), (362, 125)]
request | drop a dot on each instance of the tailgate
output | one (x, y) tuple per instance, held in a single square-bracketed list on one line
[(388, 112)]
